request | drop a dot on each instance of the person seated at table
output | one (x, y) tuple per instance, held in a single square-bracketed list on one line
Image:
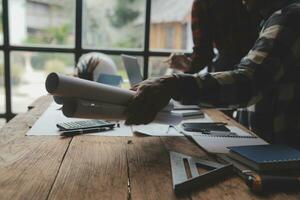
[(269, 73), (91, 65), (222, 24)]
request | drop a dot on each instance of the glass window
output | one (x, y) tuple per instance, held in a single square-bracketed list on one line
[(171, 25), (28, 74), (159, 67), (2, 86), (42, 22), (113, 24)]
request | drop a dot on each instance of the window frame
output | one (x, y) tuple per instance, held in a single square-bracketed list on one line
[(78, 50)]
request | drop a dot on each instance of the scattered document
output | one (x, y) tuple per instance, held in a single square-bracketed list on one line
[(46, 124), (154, 129)]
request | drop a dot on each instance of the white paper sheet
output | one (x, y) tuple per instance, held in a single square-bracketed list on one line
[(154, 129), (46, 124)]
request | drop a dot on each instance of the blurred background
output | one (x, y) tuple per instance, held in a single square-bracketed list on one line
[(41, 36)]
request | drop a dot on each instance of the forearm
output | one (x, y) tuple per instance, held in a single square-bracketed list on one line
[(225, 89), (202, 37), (202, 56)]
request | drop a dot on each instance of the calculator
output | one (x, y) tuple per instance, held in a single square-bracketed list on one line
[(86, 124)]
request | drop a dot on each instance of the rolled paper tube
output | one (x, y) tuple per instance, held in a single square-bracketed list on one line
[(77, 108), (72, 87)]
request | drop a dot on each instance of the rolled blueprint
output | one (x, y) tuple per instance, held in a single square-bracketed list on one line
[(78, 108), (67, 86), (72, 87)]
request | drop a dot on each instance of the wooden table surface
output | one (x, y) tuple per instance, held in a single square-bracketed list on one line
[(95, 167)]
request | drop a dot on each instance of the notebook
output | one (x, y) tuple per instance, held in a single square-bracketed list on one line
[(110, 79), (219, 144), (267, 157)]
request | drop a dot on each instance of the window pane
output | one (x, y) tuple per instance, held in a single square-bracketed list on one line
[(28, 74), (158, 67), (113, 24), (42, 22), (2, 86), (171, 25)]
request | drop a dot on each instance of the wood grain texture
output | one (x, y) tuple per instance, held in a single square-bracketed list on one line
[(28, 165), (94, 168), (149, 169), (19, 125)]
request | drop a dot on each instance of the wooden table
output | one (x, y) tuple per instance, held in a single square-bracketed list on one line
[(94, 167)]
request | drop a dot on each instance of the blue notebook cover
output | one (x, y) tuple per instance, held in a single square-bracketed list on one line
[(110, 79), (266, 157)]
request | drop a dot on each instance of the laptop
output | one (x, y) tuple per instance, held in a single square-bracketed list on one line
[(133, 69)]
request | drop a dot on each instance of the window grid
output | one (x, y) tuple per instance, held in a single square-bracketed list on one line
[(77, 51)]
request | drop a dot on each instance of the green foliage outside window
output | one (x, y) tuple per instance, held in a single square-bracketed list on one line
[(124, 13)]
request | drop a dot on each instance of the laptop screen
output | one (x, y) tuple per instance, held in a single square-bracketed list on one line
[(133, 69)]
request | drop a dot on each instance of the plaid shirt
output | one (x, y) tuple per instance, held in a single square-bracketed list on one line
[(226, 25), (269, 74)]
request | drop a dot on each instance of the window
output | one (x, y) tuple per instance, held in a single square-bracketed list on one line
[(170, 25), (114, 24), (25, 66), (42, 22), (40, 36)]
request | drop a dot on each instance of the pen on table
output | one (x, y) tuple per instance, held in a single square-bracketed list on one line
[(82, 131)]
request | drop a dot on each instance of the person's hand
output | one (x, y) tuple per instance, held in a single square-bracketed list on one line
[(151, 96), (179, 62)]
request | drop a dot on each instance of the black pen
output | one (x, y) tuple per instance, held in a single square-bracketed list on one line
[(84, 131)]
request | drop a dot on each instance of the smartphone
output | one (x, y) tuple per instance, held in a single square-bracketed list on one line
[(85, 124), (204, 127)]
